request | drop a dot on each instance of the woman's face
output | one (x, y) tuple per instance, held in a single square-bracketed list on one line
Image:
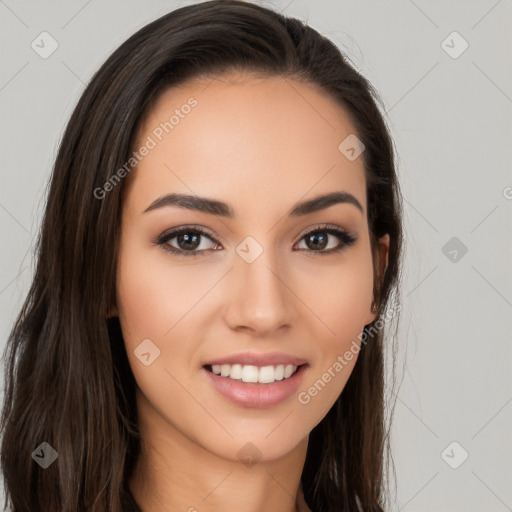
[(255, 282)]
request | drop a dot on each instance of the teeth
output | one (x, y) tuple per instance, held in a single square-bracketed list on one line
[(249, 373), (289, 369), (236, 371)]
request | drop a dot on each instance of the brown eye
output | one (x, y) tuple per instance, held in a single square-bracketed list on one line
[(186, 241), (318, 240)]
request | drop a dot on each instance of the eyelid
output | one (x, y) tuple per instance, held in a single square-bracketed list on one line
[(324, 227), (190, 227)]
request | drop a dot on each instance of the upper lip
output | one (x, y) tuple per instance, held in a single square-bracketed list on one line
[(258, 359)]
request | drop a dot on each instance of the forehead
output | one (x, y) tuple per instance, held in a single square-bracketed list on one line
[(259, 139)]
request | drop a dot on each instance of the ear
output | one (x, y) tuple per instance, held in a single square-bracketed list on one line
[(382, 255)]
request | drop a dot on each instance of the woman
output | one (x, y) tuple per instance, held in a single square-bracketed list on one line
[(220, 244)]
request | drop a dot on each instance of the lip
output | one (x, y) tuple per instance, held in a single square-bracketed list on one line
[(259, 359), (254, 394)]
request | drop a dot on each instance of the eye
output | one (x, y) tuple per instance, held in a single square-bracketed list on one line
[(191, 241), (317, 240), (188, 241)]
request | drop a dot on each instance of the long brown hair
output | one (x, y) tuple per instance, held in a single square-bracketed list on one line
[(67, 380)]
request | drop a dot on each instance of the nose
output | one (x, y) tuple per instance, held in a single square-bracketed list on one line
[(260, 299)]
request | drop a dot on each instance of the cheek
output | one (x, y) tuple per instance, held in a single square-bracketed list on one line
[(156, 292), (141, 302), (342, 300), (152, 293), (153, 300), (348, 309), (341, 296)]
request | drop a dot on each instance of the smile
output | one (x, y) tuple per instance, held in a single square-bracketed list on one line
[(251, 373), (253, 386)]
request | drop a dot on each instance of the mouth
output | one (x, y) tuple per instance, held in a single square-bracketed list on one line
[(255, 386), (254, 374)]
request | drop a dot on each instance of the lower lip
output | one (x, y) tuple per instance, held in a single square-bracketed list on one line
[(254, 394)]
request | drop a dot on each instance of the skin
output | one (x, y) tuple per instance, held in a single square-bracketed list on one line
[(261, 146)]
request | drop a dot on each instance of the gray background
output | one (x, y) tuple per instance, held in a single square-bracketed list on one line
[(451, 121)]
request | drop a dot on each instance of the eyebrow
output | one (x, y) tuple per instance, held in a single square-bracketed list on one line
[(214, 207)]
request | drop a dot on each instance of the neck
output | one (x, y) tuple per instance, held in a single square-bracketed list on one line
[(173, 473)]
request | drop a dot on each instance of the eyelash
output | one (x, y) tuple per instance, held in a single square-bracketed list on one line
[(346, 240)]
